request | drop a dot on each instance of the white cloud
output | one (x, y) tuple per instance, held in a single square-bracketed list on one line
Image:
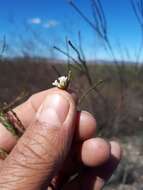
[(35, 20), (51, 24)]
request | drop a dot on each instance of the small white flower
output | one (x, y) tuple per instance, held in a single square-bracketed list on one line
[(61, 82)]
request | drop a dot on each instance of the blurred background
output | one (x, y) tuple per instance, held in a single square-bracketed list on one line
[(101, 42)]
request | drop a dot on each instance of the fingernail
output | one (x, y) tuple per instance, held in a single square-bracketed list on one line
[(54, 110)]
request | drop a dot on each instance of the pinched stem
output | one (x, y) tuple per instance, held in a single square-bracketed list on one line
[(7, 123), (3, 153)]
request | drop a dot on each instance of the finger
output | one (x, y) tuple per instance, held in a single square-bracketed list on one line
[(95, 178), (26, 113), (86, 126), (7, 140), (92, 153), (40, 152)]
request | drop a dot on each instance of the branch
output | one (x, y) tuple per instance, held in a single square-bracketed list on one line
[(90, 89)]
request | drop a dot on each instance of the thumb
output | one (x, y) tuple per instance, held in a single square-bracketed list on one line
[(40, 152)]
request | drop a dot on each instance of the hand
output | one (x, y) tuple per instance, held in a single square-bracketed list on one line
[(58, 142)]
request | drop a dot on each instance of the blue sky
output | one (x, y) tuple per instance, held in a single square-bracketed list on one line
[(34, 26)]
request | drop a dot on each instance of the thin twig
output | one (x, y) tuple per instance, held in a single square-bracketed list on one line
[(56, 70), (20, 125), (6, 107), (85, 18), (82, 63), (77, 66), (90, 89), (80, 45), (68, 59)]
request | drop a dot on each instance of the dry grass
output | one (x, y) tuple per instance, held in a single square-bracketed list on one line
[(118, 107)]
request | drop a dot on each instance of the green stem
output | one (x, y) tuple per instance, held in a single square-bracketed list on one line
[(8, 124)]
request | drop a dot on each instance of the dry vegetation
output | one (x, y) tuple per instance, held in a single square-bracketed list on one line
[(119, 118)]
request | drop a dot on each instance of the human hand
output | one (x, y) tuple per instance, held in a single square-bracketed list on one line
[(58, 142)]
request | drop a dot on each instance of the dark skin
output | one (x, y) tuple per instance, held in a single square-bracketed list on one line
[(58, 142)]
